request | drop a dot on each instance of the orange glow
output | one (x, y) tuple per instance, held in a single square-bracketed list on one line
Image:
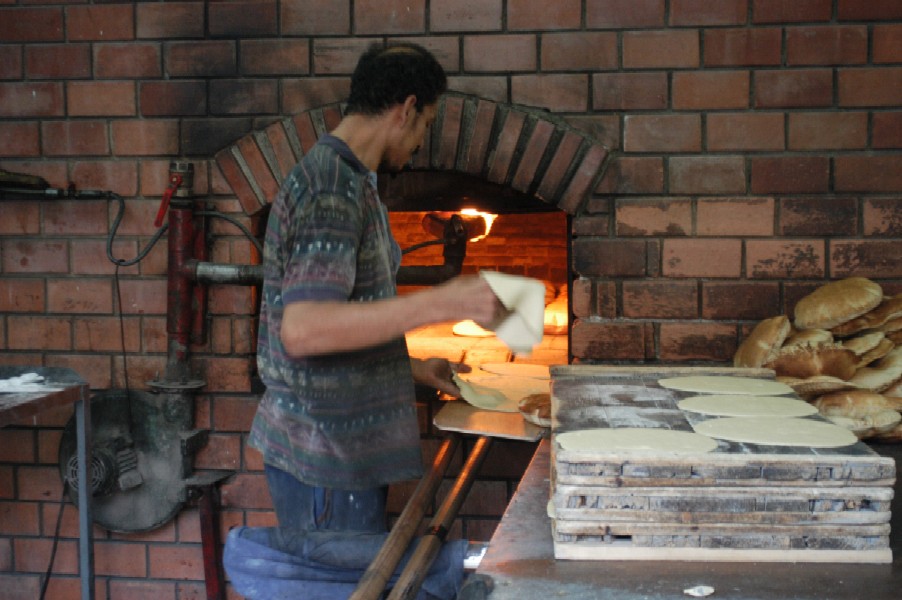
[(488, 218)]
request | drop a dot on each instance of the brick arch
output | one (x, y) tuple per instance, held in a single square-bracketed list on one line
[(531, 151)]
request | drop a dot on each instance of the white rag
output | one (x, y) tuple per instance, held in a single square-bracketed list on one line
[(27, 382), (522, 329)]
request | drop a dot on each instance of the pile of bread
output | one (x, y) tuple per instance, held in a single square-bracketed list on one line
[(842, 351)]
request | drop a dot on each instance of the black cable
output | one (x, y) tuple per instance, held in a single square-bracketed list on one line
[(109, 241), (56, 537), (236, 223)]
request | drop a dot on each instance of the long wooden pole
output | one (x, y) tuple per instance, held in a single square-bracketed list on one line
[(372, 584), (408, 585)]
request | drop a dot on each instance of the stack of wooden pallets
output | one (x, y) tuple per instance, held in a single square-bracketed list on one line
[(740, 502)]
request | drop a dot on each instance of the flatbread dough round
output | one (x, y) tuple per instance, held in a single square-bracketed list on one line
[(635, 439), (740, 405), (498, 392), (726, 384), (517, 370), (777, 431), (470, 329)]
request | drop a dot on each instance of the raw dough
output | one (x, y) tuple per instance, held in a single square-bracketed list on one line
[(635, 439), (469, 328), (726, 384), (524, 298), (498, 392), (735, 405), (517, 370), (777, 431)]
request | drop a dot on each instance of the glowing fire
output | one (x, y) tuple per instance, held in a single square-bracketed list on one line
[(488, 218)]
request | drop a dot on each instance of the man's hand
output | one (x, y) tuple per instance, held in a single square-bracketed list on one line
[(437, 372)]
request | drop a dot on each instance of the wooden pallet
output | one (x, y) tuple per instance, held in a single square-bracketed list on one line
[(741, 501)]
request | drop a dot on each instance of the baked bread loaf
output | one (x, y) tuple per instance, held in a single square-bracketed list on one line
[(807, 361), (809, 337), (882, 349), (871, 425), (818, 385), (855, 403), (882, 374), (864, 343), (536, 408), (836, 303), (888, 309), (762, 343)]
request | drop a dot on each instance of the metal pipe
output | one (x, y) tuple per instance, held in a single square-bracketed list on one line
[(372, 584), (411, 579), (206, 272)]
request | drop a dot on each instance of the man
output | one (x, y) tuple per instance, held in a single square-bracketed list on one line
[(337, 422)]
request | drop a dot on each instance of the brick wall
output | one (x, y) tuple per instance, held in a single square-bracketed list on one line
[(755, 153)]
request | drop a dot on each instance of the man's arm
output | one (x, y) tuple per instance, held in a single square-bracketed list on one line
[(313, 328)]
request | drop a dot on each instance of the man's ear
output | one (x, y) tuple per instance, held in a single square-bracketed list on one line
[(410, 107)]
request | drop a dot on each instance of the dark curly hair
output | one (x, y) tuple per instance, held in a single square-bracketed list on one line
[(387, 75)]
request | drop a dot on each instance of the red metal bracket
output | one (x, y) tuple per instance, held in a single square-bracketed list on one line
[(175, 180)]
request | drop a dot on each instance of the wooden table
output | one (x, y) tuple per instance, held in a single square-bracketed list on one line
[(521, 562), (19, 408)]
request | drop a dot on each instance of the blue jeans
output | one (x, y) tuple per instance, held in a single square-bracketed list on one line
[(301, 506)]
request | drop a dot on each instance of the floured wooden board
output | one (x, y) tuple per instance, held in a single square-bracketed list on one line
[(738, 502), (465, 418)]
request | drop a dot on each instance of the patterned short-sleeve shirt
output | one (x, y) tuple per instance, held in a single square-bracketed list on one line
[(345, 420)]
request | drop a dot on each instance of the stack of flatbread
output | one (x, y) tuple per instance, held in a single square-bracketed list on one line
[(844, 341)]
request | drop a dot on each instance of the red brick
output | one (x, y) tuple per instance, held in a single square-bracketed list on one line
[(661, 49), (79, 296), (76, 217), (697, 341), (10, 62), (315, 17), (796, 88), (127, 61), (19, 518), (825, 45), (34, 555), (584, 177), (19, 139), (31, 25), (882, 217), (38, 333), (240, 96), (39, 483), (90, 257), (887, 43), (881, 173), (20, 587), (693, 258), (145, 137), (58, 61), (63, 588), (275, 57), (660, 300), (173, 98), (220, 452), (710, 90), (624, 14), (18, 445), (707, 175), (338, 56), (870, 86), (27, 99), (823, 216), (702, 12), (299, 95), (662, 133), (603, 128), (123, 589), (25, 256), (247, 491), (828, 131), (465, 15), (93, 368), (526, 14), (389, 16), (579, 50), (120, 559), (790, 175), (866, 258), (629, 91), (745, 131), (143, 296), (117, 176), (513, 53), (528, 166), (655, 216), (96, 98), (21, 295), (176, 562), (742, 47), (740, 300), (633, 175), (737, 217), (75, 138), (609, 258), (170, 20), (874, 10), (209, 58), (555, 92), (104, 334), (784, 259), (607, 341), (100, 22), (242, 18), (20, 217), (780, 11)]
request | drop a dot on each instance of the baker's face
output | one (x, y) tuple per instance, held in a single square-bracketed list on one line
[(410, 137)]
